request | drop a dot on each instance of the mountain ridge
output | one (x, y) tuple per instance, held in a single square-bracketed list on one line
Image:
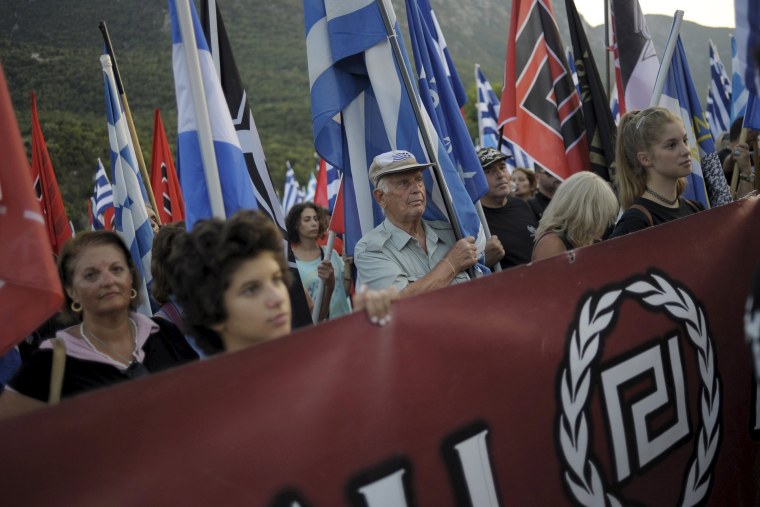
[(53, 47)]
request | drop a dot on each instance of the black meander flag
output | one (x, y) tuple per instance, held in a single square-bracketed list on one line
[(242, 118), (600, 126)]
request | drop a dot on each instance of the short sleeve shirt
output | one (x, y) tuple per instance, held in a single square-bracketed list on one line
[(389, 256)]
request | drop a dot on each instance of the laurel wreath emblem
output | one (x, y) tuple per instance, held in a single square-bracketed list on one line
[(581, 474)]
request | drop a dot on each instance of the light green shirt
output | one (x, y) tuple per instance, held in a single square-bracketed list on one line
[(389, 256)]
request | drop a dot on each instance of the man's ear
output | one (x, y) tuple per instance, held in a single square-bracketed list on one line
[(379, 195)]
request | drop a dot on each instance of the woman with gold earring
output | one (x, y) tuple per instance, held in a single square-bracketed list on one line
[(109, 343)]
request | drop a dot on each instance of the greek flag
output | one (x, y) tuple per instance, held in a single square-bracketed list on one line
[(439, 42), (752, 113), (718, 111), (739, 93), (360, 109), (680, 97), (236, 185), (488, 131), (129, 195), (102, 198), (290, 196), (441, 105), (747, 13), (311, 188), (333, 184)]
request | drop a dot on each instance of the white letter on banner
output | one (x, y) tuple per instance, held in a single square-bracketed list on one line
[(473, 454), (387, 492), (613, 377)]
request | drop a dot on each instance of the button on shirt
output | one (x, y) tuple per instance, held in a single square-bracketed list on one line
[(389, 256)]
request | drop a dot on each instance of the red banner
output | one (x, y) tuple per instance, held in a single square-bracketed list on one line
[(617, 374)]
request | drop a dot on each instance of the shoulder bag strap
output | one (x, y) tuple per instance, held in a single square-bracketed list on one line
[(646, 212)]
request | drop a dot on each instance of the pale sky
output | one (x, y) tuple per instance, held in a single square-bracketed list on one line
[(704, 12)]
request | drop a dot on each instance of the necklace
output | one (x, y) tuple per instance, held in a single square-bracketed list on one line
[(661, 198), (124, 360)]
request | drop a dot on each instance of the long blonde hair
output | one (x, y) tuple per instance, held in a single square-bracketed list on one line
[(639, 131), (581, 210)]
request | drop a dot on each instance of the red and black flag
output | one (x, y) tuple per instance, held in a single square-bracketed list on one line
[(46, 187), (600, 126), (540, 109), (163, 176), (30, 291)]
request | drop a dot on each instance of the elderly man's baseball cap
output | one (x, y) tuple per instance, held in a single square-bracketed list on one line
[(489, 155), (395, 161)]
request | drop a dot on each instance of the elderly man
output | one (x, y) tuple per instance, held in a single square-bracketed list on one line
[(405, 251), (510, 219)]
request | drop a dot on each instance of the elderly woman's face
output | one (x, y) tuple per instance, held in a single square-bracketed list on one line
[(101, 282), (257, 304)]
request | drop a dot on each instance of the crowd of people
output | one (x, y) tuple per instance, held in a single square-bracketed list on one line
[(225, 285)]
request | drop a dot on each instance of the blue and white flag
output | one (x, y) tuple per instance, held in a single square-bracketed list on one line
[(718, 110), (747, 13), (333, 185), (236, 185), (426, 11), (573, 70), (440, 103), (488, 130), (360, 109), (290, 195), (311, 188), (752, 113), (680, 97), (739, 93), (102, 198), (130, 216)]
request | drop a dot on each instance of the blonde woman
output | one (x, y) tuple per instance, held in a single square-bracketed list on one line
[(652, 158), (582, 210)]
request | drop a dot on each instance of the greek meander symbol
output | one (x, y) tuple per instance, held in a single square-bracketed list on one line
[(597, 313), (648, 448)]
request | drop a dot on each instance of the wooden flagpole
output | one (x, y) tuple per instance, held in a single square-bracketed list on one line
[(128, 115)]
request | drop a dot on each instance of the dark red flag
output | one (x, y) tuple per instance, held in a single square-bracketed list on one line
[(338, 223), (30, 291), (320, 196), (46, 187), (540, 109), (163, 176)]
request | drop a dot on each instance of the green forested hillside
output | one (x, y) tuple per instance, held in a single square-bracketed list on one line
[(53, 47)]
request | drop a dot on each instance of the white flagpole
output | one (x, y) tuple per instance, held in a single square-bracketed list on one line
[(195, 80), (670, 48), (214, 36)]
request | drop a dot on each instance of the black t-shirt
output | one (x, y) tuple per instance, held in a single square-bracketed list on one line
[(515, 225), (635, 220), (538, 204), (164, 349)]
